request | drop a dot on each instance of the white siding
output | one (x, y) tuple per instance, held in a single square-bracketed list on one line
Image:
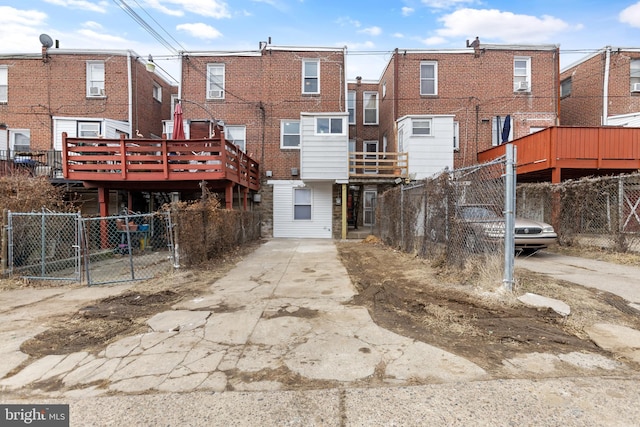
[(428, 155), (4, 139), (323, 157), (63, 125), (321, 210)]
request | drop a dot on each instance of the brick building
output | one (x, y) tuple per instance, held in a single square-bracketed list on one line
[(602, 89)]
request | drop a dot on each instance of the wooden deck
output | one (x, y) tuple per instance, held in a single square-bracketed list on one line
[(377, 165), (559, 153), (155, 164)]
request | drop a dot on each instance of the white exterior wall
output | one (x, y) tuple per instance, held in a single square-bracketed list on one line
[(319, 226), (4, 139), (70, 126), (428, 155), (323, 157)]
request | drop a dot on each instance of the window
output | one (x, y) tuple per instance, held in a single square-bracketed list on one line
[(501, 130), (88, 129), (428, 78), (301, 204), (20, 140), (215, 81), (522, 74), (4, 83), (290, 134), (634, 73), (157, 92), (331, 125), (174, 101), (565, 87), (370, 104), (351, 106), (237, 135), (456, 136), (421, 127), (352, 156), (384, 89), (95, 78), (311, 76)]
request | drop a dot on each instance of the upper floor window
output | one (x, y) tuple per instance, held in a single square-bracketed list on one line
[(290, 134), (635, 75), (95, 78), (370, 103), (215, 81), (237, 135), (88, 129), (332, 125), (522, 74), (311, 76), (4, 83), (428, 78), (565, 87), (157, 92), (351, 106), (421, 127)]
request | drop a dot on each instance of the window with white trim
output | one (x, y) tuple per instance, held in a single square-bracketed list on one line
[(384, 89), (215, 81), (4, 84), (421, 127), (290, 134), (428, 78), (311, 76), (634, 74), (95, 78), (20, 140), (302, 204), (370, 106), (456, 136), (174, 101), (522, 74), (157, 92), (351, 106), (330, 125), (565, 87), (89, 129), (237, 135)]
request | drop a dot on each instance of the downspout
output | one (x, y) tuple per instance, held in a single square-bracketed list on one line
[(130, 93), (395, 88), (605, 89)]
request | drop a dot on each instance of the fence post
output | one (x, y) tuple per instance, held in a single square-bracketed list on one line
[(4, 253), (509, 217)]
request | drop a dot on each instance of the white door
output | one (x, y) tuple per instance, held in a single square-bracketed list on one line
[(371, 160), (369, 207)]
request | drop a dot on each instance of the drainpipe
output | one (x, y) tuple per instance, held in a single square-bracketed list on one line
[(605, 89), (130, 93)]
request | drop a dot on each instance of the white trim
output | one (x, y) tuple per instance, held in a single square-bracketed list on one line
[(306, 61)]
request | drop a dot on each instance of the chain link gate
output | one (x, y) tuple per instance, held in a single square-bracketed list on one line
[(44, 245), (127, 247)]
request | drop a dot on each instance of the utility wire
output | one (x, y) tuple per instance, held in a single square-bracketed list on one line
[(160, 25), (132, 13)]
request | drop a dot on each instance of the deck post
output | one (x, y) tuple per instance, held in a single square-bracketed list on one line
[(245, 197), (103, 201), (228, 195)]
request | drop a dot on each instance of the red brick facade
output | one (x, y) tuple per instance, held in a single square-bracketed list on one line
[(40, 89), (261, 89), (584, 104)]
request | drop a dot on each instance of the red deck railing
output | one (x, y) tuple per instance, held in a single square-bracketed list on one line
[(93, 159)]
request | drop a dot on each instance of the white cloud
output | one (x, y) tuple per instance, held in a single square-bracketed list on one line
[(433, 41), (20, 29), (200, 30), (100, 7), (94, 36), (398, 35), (372, 31), (446, 4), (346, 21), (503, 26), (92, 25), (216, 9), (406, 11), (631, 15)]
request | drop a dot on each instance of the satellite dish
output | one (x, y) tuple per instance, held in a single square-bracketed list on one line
[(46, 40)]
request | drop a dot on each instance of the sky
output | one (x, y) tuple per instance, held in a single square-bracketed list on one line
[(370, 29)]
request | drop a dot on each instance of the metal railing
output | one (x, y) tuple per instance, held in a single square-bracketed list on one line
[(34, 163)]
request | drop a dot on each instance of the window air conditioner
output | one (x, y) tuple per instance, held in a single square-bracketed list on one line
[(94, 90), (635, 87), (522, 86), (215, 94)]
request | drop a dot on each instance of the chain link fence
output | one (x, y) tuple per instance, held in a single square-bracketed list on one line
[(599, 212), (127, 247), (457, 216), (44, 245)]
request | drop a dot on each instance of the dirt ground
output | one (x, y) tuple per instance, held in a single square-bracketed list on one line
[(403, 293)]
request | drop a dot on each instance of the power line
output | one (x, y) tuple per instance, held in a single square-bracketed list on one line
[(132, 13)]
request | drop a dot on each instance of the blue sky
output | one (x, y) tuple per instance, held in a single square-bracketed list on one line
[(369, 29)]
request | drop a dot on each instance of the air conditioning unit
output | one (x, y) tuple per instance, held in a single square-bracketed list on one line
[(635, 87), (213, 94), (94, 90), (522, 86)]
